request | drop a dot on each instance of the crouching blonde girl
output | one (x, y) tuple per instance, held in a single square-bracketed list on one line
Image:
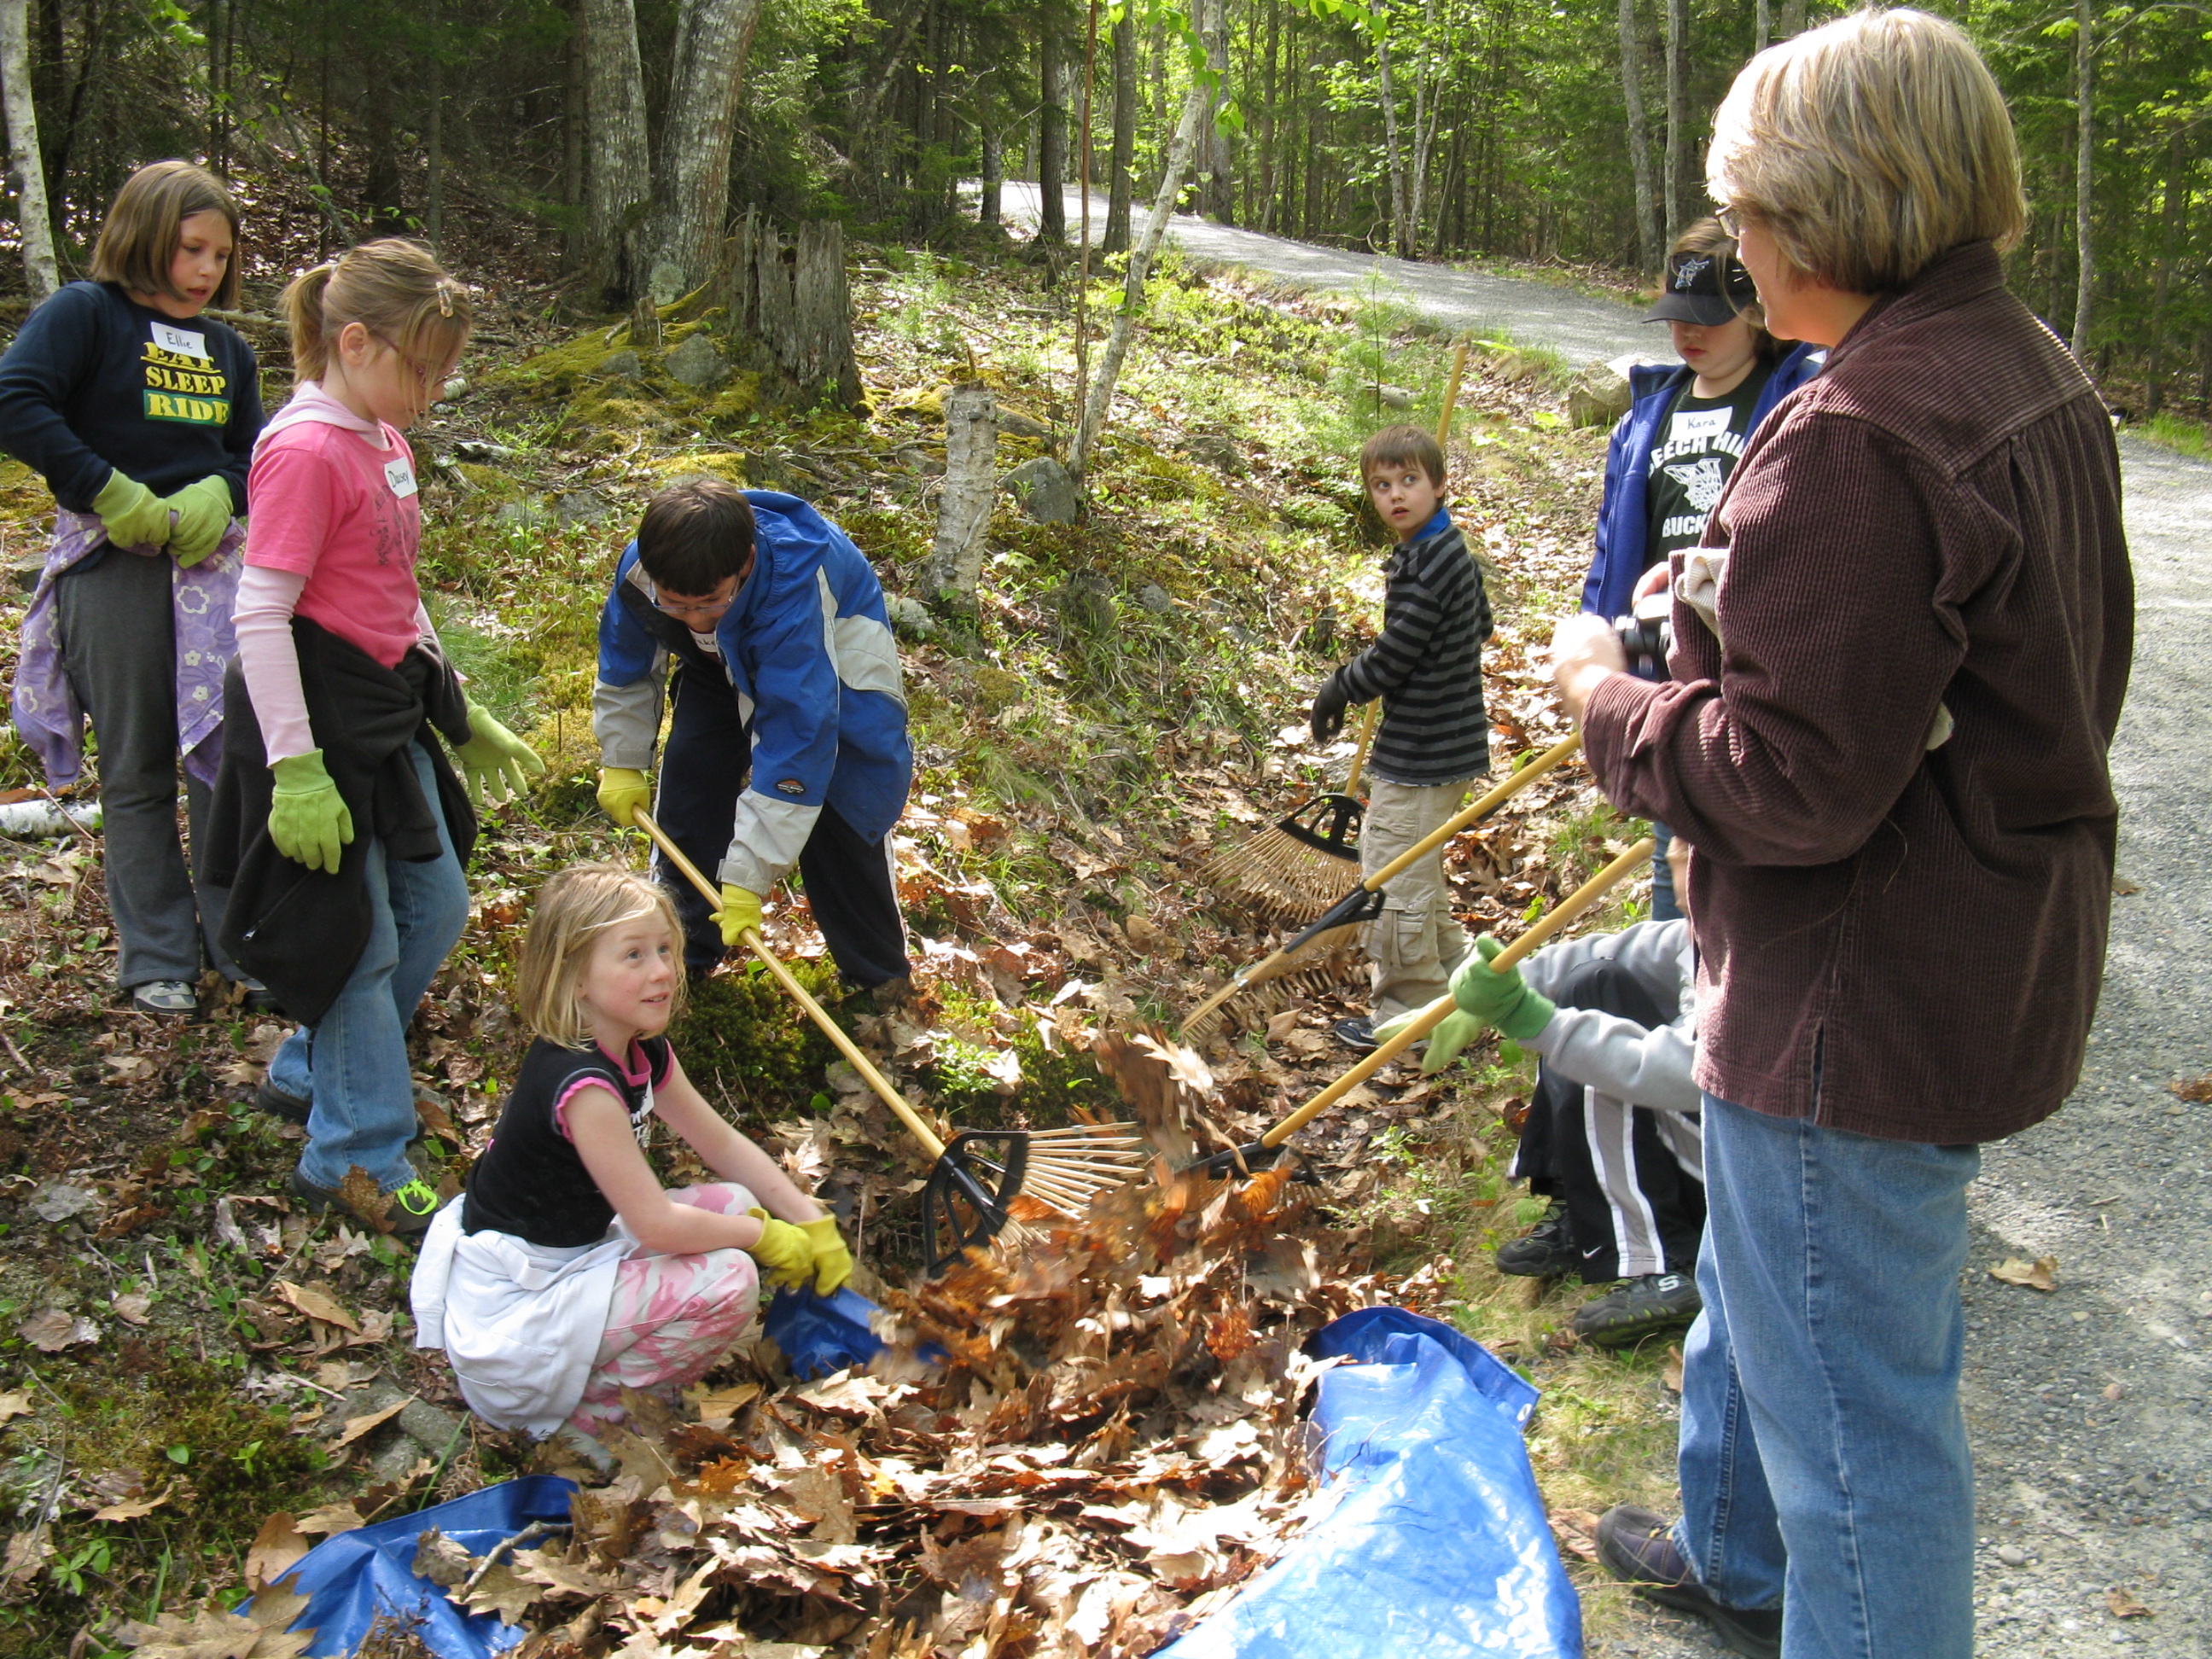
[(567, 1273)]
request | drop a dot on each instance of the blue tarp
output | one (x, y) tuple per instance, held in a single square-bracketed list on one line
[(819, 1334), (351, 1578), (1437, 1545)]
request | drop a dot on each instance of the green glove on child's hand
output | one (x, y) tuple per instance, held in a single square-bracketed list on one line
[(783, 1249), (623, 790), (203, 511), (1446, 1043), (308, 816), (833, 1262), (133, 515), (497, 764), (740, 914), (1503, 1001)]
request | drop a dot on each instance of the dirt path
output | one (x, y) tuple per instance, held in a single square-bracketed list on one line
[(2091, 1408)]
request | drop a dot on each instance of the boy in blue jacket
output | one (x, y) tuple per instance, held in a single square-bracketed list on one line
[(788, 743)]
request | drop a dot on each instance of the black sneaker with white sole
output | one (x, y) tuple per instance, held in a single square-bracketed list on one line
[(1647, 1304), (1546, 1251), (1356, 1033), (1638, 1546)]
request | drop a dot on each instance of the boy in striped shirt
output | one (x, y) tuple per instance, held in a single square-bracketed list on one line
[(1434, 737)]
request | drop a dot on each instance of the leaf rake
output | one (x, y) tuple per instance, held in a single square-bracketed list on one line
[(976, 1177)]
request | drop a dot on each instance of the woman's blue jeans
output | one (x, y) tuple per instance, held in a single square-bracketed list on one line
[(353, 1067), (1823, 1460)]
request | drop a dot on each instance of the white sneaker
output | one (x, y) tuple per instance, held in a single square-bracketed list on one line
[(164, 996)]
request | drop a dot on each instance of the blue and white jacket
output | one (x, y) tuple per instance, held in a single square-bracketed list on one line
[(807, 646), (1624, 522)]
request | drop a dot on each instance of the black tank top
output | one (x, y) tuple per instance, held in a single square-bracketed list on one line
[(530, 1181)]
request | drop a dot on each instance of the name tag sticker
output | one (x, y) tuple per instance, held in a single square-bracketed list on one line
[(401, 477), (185, 342), (1701, 423)]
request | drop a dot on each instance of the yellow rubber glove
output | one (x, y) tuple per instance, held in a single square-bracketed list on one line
[(784, 1250), (308, 816), (203, 511), (740, 912), (621, 791), (133, 515), (833, 1262), (497, 764)]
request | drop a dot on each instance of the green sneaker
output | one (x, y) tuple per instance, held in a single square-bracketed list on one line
[(411, 1208)]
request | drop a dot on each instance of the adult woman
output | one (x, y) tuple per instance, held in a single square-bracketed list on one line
[(1900, 660)]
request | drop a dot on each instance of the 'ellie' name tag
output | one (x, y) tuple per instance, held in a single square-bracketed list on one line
[(401, 477), (183, 341)]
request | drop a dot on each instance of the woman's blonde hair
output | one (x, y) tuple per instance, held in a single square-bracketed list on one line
[(394, 289), (1869, 147), (1709, 237), (138, 238), (574, 906)]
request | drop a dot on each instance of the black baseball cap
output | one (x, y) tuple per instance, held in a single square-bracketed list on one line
[(1703, 288)]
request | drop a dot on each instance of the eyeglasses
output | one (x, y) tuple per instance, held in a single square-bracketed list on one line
[(420, 371), (690, 607), (1731, 222)]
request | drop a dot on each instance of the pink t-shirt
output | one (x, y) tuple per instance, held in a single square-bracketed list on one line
[(328, 506)]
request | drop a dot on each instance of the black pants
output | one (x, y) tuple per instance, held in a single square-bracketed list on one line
[(847, 876), (1631, 1178)]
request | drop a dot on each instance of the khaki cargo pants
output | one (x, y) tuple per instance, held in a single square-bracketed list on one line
[(1416, 943)]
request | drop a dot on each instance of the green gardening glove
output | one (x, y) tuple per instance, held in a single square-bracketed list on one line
[(1446, 1043), (784, 1250), (623, 790), (203, 511), (1503, 1001), (133, 515), (308, 816), (833, 1262), (740, 915), (497, 764)]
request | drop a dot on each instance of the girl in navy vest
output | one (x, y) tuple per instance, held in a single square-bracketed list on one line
[(567, 1273)]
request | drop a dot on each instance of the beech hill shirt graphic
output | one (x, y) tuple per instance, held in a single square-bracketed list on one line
[(1699, 443)]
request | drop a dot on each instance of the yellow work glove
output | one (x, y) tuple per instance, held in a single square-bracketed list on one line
[(133, 515), (784, 1250), (497, 764), (203, 511), (1445, 1041), (621, 791), (833, 1262), (740, 912), (308, 816)]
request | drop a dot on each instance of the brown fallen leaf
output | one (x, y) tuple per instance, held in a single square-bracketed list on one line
[(14, 1404), (277, 1548), (2040, 1274), (1282, 1025), (2125, 887), (1577, 1531), (132, 1309), (359, 1193), (717, 1407), (2122, 1605), (316, 1303), (357, 1426), (1670, 1374), (50, 1330), (2193, 1088), (133, 1509)]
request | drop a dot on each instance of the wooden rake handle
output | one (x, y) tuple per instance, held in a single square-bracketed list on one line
[(798, 992), (1566, 750), (1370, 719), (1434, 1014)]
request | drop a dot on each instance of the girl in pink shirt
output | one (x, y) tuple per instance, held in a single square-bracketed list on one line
[(330, 583)]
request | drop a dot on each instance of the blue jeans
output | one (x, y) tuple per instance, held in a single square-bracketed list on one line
[(1823, 1460), (1666, 903), (353, 1067)]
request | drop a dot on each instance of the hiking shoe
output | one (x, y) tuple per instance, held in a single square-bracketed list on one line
[(254, 997), (1546, 1251), (281, 1102), (1648, 1303), (1637, 1548), (408, 1209), (164, 996), (1356, 1034)]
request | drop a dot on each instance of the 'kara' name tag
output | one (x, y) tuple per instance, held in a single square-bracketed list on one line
[(1701, 423), (401, 477), (185, 342)]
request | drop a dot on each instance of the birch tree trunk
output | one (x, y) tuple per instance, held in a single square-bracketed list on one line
[(1639, 136), (2085, 177), (1124, 150), (692, 190), (964, 507), (1196, 110), (1398, 237), (40, 273), (620, 196), (1677, 110)]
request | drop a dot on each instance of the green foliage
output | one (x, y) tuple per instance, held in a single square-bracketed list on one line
[(741, 1036)]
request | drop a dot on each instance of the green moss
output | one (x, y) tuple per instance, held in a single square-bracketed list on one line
[(742, 1032), (692, 462), (491, 481)]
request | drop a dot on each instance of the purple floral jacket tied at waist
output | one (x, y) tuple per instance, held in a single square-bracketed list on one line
[(47, 716), (1895, 939)]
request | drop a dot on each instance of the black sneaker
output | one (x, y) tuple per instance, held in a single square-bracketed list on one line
[(1637, 1548), (1651, 1302), (1356, 1034), (281, 1102), (1546, 1251)]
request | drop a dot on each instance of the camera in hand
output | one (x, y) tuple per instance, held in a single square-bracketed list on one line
[(1647, 636)]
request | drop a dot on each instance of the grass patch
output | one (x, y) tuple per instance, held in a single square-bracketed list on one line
[(2178, 432)]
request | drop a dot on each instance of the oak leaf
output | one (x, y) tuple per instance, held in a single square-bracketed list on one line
[(2040, 1274), (317, 1303)]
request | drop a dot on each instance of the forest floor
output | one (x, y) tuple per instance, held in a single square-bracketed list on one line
[(199, 1380)]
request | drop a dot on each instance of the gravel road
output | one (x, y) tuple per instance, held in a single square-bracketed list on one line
[(2090, 1407)]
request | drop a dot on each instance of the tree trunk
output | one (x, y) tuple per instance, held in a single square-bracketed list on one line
[(1678, 111), (1762, 28), (2085, 172), (692, 189), (2170, 238), (1380, 21), (1124, 151), (988, 205), (620, 195), (1052, 132), (574, 122), (1793, 18), (1270, 156), (963, 506), (1639, 136), (1196, 111), (381, 192), (40, 273), (1218, 199), (434, 141)]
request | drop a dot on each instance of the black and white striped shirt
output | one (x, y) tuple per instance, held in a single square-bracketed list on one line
[(1426, 665)]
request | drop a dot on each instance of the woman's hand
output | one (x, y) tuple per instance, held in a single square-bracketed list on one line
[(1584, 651), (1653, 581)]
